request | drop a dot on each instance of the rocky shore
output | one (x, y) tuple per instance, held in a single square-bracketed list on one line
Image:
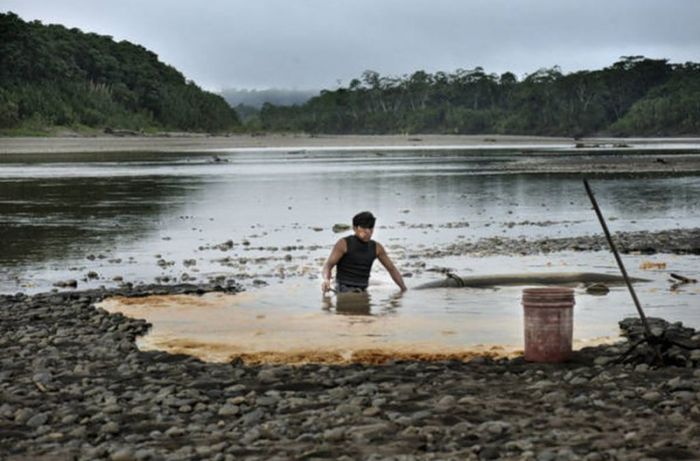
[(673, 241), (73, 385)]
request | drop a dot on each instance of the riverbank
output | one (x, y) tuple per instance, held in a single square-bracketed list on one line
[(74, 386), (179, 142)]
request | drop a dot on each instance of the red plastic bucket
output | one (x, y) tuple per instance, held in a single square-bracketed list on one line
[(549, 323)]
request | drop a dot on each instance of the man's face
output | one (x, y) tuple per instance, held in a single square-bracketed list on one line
[(363, 233)]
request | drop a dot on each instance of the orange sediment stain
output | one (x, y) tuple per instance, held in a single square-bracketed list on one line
[(220, 328)]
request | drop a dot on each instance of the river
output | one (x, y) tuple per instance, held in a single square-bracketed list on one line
[(265, 219)]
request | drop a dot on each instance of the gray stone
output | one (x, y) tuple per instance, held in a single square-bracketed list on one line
[(23, 415), (110, 409), (268, 376), (462, 428), (267, 401), (110, 428), (229, 410), (123, 454), (348, 409), (253, 417), (69, 419), (175, 431), (651, 396), (543, 384), (78, 433), (38, 420), (143, 454), (42, 377), (251, 436), (371, 431), (546, 455), (335, 434), (684, 396), (446, 403), (495, 427)]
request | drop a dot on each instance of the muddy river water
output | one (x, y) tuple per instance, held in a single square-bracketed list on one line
[(265, 219)]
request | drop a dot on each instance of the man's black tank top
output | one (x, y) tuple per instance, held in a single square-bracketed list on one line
[(354, 267)]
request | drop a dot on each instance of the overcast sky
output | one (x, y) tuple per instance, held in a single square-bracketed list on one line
[(312, 44)]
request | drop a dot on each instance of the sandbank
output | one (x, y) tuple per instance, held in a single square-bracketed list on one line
[(179, 142)]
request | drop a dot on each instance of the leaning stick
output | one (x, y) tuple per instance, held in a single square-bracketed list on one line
[(647, 330)]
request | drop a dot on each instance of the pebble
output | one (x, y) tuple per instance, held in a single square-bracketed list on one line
[(124, 454), (446, 403), (38, 420), (334, 435), (229, 410)]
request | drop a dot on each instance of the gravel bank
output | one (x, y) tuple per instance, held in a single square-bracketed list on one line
[(73, 385), (673, 241)]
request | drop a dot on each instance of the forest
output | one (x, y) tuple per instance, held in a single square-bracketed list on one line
[(635, 96), (54, 76)]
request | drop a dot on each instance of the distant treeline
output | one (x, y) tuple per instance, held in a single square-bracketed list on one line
[(54, 76), (635, 96)]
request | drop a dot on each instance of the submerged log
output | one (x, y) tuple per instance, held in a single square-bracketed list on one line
[(541, 278)]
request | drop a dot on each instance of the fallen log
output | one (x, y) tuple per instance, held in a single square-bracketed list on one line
[(535, 278)]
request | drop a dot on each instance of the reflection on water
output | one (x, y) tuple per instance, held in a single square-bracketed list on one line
[(350, 303), (52, 219)]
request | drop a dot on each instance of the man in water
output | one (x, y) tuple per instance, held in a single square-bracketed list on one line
[(354, 255)]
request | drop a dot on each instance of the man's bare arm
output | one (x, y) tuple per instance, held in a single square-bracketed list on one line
[(339, 249), (389, 265)]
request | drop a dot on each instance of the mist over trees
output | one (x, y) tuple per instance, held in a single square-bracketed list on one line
[(634, 96), (277, 96), (54, 76)]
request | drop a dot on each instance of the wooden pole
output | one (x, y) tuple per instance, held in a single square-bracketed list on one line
[(647, 330)]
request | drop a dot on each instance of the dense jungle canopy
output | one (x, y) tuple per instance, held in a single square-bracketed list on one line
[(635, 96), (54, 76)]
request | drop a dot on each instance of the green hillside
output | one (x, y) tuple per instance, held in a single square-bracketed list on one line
[(635, 96), (53, 76)]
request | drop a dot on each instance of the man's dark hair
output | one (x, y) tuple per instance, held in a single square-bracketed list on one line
[(364, 219)]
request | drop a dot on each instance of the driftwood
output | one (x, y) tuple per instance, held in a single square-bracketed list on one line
[(679, 280), (682, 279), (535, 278)]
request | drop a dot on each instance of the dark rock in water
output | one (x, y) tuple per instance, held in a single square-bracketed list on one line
[(337, 228), (227, 245), (66, 284), (597, 289)]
